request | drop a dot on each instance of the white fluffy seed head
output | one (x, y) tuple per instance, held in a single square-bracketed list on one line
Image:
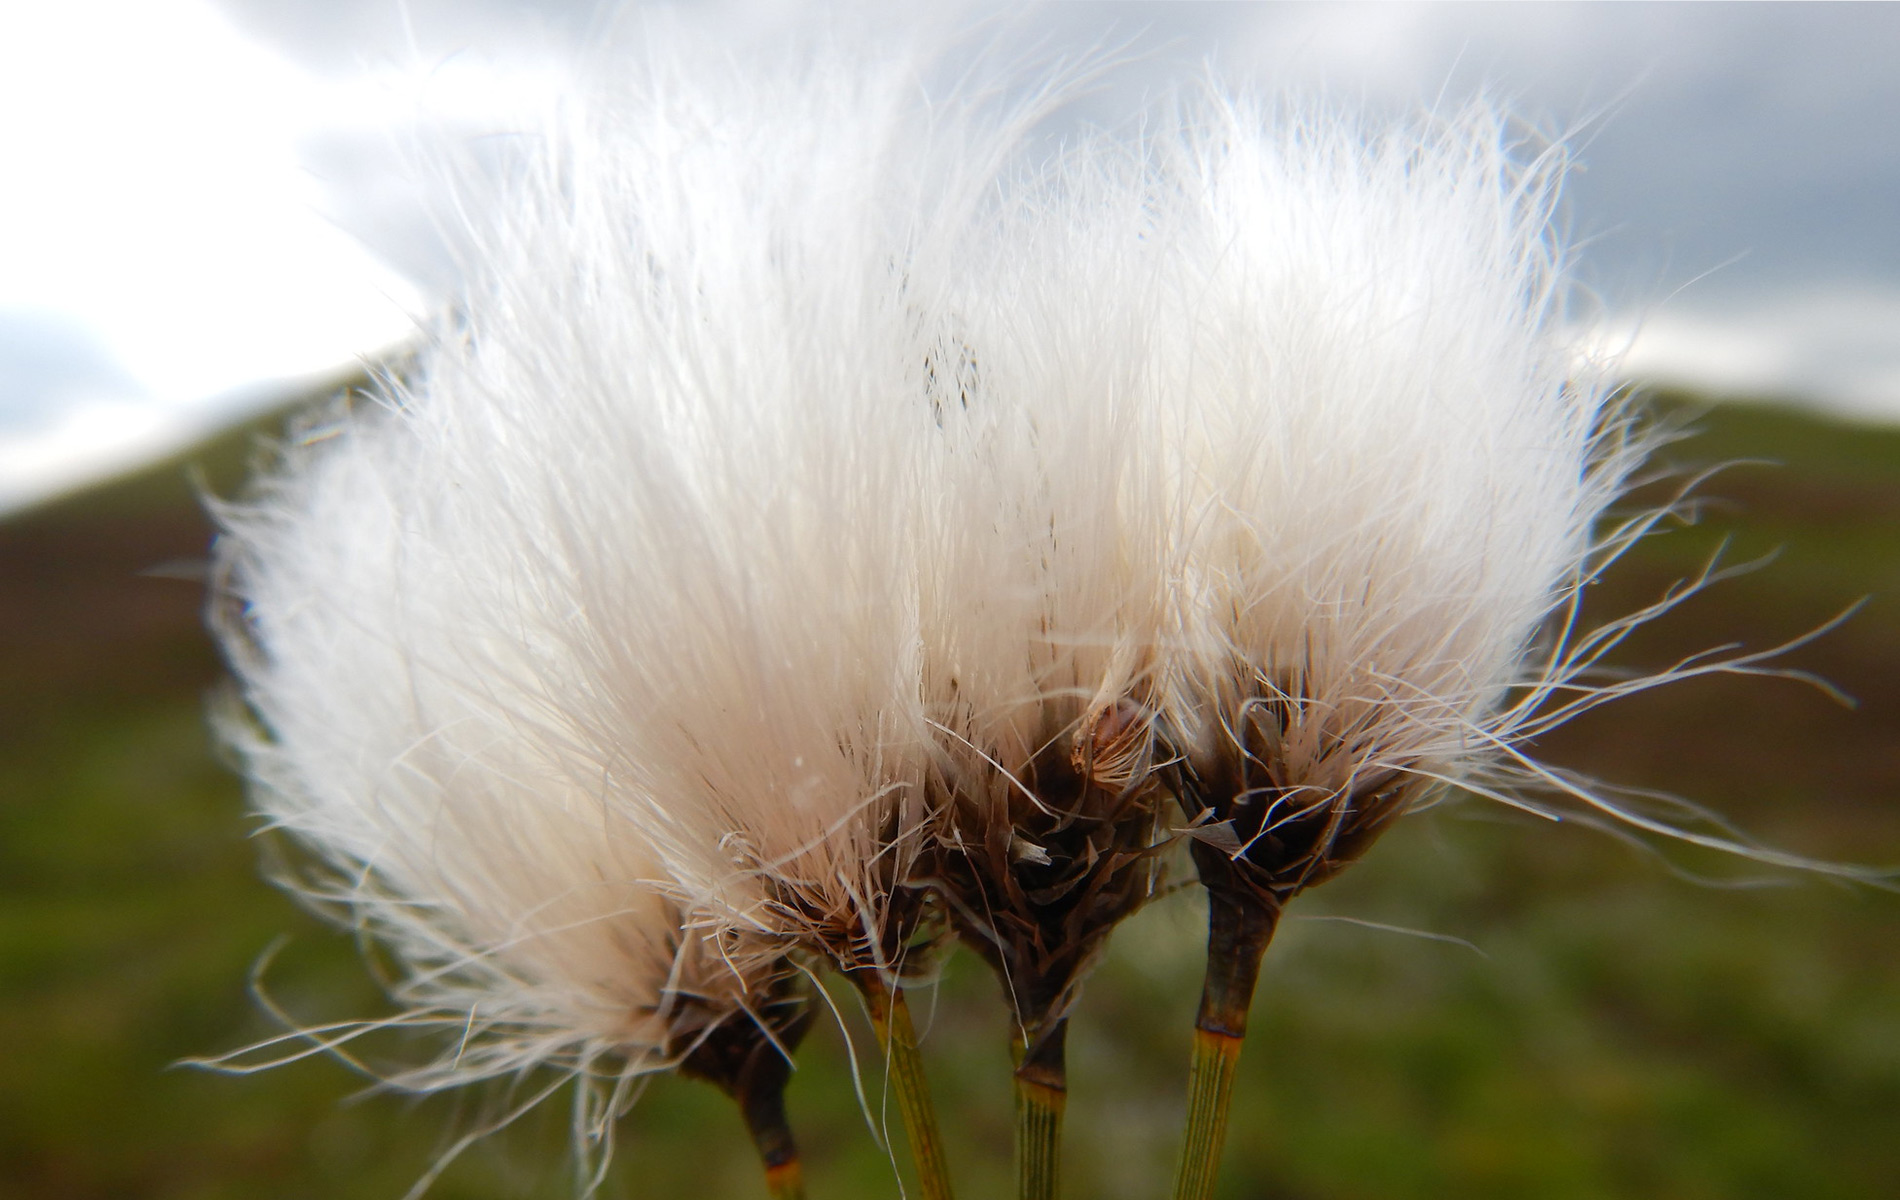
[(1044, 604), (409, 743), (725, 473), (1047, 585), (588, 660), (774, 474), (1392, 457)]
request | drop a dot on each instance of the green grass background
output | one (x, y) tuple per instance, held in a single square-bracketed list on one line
[(1618, 1032)]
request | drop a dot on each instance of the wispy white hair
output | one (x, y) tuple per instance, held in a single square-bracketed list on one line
[(1047, 583), (780, 486), (1394, 460), (412, 746), (1046, 586), (588, 658), (715, 492)]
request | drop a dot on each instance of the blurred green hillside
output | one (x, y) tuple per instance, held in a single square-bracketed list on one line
[(1620, 1031)]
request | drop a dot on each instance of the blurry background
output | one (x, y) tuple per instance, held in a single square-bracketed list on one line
[(207, 212)]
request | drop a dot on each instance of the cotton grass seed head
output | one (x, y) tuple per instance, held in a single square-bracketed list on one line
[(1392, 458), (811, 530), (407, 741), (1044, 592), (586, 656), (665, 425), (728, 479)]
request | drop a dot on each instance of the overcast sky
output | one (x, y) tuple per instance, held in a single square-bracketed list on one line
[(200, 199)]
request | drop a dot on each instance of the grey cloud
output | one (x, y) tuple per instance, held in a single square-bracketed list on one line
[(1719, 130), (1709, 131), (1729, 152)]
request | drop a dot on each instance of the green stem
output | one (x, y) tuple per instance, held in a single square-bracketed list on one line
[(1239, 927), (1210, 1090), (1042, 1090), (890, 1017)]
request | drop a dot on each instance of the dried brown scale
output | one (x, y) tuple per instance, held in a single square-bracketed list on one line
[(1034, 877), (1278, 834), (1259, 837), (870, 939), (880, 933)]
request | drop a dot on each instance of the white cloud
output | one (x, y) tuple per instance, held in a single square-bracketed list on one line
[(1837, 347), (153, 195), (92, 438)]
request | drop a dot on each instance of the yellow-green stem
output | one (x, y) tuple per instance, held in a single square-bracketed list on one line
[(1210, 1091), (1239, 926), (1042, 1090), (890, 1017)]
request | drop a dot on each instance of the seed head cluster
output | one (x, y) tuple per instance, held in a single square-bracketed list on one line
[(830, 521)]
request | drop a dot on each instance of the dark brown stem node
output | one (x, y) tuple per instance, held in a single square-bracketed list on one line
[(1241, 919), (741, 1059), (1042, 1061)]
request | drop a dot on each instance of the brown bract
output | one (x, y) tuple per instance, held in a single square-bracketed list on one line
[(1260, 833), (877, 933), (1261, 830), (1038, 862)]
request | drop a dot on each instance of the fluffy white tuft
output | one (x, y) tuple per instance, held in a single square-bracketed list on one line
[(1393, 456), (588, 658), (1279, 437), (411, 746), (794, 480)]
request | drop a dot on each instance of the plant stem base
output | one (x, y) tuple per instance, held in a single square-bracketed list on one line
[(890, 1017), (1210, 1091), (1042, 1092), (1038, 1139), (1240, 923)]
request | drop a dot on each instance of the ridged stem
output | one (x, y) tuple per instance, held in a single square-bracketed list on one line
[(1210, 1091), (1042, 1091), (1239, 927), (890, 1017)]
